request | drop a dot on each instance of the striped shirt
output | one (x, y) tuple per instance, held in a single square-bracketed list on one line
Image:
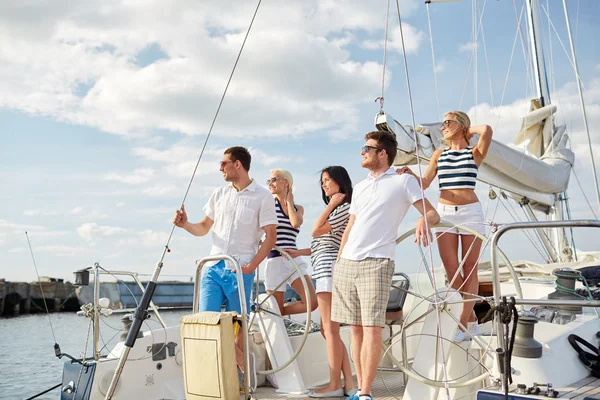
[(286, 233), (457, 169), (324, 248)]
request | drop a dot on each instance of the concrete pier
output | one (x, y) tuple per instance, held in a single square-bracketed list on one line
[(18, 298)]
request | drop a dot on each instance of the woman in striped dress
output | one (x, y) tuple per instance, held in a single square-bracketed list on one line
[(336, 190), (456, 167), (278, 268)]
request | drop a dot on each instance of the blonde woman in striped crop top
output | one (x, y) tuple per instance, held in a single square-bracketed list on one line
[(290, 217), (456, 167)]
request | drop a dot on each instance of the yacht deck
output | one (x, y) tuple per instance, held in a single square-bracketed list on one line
[(390, 386)]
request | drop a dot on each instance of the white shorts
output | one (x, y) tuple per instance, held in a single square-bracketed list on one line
[(467, 215), (324, 284), (277, 270)]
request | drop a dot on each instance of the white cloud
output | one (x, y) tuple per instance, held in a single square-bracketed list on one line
[(61, 251), (18, 228), (83, 62), (139, 175), (166, 190), (35, 213), (42, 213), (467, 47), (412, 40), (270, 160), (89, 229), (440, 66), (16, 250), (120, 204), (506, 119), (151, 238)]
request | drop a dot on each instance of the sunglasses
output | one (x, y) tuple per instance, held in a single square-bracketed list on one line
[(366, 148), (224, 163), (273, 180), (448, 122)]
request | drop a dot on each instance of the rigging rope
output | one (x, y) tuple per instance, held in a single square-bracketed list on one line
[(385, 40), (437, 93), (412, 113), (583, 192), (41, 288), (166, 249)]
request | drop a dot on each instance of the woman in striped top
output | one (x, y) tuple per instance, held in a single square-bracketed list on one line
[(278, 268), (336, 190), (456, 167)]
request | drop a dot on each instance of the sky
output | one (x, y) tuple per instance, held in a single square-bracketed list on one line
[(104, 108)]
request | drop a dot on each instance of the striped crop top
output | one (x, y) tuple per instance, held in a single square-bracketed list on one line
[(457, 169), (286, 233)]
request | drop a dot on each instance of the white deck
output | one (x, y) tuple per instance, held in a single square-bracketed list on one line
[(387, 385), (390, 386)]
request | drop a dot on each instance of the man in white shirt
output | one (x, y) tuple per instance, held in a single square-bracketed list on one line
[(238, 214), (363, 273)]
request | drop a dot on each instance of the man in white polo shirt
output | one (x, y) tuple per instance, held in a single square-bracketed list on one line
[(238, 214), (363, 273)]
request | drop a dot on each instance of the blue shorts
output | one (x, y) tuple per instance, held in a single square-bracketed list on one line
[(219, 284)]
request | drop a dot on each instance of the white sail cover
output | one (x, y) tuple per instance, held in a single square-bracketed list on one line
[(539, 170)]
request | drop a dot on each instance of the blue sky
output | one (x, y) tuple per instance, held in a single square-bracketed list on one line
[(104, 109)]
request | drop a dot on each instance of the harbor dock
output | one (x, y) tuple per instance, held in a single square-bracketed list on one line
[(17, 298)]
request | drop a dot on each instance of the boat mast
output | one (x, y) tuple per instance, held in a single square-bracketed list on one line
[(560, 241), (537, 55)]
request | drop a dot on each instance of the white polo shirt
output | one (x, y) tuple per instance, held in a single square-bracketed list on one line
[(379, 205), (238, 220)]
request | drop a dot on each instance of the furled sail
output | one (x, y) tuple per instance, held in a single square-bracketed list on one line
[(538, 170)]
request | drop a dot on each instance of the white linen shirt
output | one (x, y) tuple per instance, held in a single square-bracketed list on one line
[(379, 204), (238, 220)]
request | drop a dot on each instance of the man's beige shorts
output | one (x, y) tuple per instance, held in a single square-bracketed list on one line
[(361, 290)]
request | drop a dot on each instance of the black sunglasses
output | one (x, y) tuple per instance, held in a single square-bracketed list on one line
[(366, 148)]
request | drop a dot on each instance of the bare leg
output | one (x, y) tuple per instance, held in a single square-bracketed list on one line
[(278, 296), (448, 246), (299, 307), (357, 344), (470, 274), (346, 368), (331, 332), (239, 349), (370, 354)]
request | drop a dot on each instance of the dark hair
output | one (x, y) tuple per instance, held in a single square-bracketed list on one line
[(241, 154), (386, 141), (339, 176)]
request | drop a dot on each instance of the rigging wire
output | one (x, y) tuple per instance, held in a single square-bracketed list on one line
[(528, 58), (527, 234), (41, 288), (437, 92), (512, 53), (485, 54), (583, 192), (385, 41), (412, 113), (580, 90), (147, 298), (166, 249), (577, 76)]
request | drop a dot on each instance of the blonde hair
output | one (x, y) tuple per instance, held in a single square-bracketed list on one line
[(464, 121), (285, 174)]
